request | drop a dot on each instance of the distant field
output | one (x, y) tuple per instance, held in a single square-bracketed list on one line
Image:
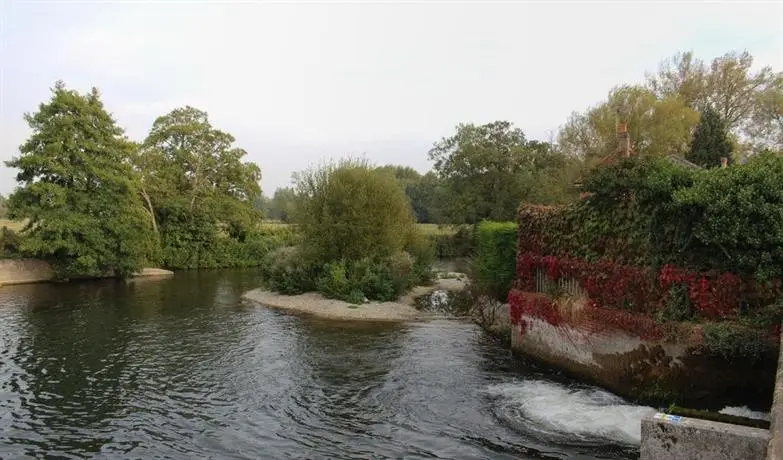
[(14, 225), (427, 229)]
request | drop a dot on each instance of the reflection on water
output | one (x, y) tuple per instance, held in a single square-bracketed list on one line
[(181, 368)]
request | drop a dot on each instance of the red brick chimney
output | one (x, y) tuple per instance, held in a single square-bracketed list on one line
[(623, 140)]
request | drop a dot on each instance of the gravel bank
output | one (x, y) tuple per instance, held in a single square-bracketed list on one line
[(315, 304)]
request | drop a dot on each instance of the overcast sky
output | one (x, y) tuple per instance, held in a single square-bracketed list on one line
[(296, 82)]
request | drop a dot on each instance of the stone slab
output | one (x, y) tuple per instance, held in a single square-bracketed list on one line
[(669, 437)]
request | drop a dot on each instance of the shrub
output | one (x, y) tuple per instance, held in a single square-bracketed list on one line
[(422, 250), (333, 283), (495, 261), (350, 210), (353, 281), (288, 271), (733, 342)]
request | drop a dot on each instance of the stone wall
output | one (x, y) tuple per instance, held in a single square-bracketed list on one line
[(666, 437), (656, 371), (25, 271)]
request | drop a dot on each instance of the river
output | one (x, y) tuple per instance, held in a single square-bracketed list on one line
[(182, 368)]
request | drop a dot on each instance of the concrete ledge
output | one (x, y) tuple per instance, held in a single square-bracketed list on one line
[(29, 271), (680, 438)]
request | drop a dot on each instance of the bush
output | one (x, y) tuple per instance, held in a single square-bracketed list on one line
[(288, 271), (495, 262), (213, 250), (353, 281), (333, 283), (734, 342), (350, 210), (422, 251)]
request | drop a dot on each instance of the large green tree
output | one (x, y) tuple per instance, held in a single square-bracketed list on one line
[(710, 141), (487, 170), (77, 191), (195, 185)]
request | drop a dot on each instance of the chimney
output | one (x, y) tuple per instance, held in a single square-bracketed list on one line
[(623, 140), (724, 162)]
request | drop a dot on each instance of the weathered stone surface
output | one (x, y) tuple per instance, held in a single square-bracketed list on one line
[(145, 272), (652, 371), (26, 271), (682, 438)]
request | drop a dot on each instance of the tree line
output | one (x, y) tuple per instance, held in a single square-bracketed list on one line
[(95, 201), (686, 108)]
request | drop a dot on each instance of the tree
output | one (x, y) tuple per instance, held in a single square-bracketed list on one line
[(656, 126), (728, 85), (195, 184), (419, 190), (486, 171), (766, 129), (3, 207), (681, 75), (350, 210), (481, 167), (77, 191), (281, 206), (710, 141)]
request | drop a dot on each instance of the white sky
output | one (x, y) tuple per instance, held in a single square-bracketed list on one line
[(298, 82)]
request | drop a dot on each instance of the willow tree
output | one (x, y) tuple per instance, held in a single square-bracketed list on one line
[(77, 191), (657, 126)]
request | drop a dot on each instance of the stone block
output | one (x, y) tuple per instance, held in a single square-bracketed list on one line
[(681, 438)]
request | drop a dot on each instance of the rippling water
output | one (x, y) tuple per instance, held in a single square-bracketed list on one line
[(181, 368)]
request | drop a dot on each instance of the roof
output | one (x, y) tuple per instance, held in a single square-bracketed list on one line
[(683, 162)]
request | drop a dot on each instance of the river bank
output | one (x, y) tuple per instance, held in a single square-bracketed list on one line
[(30, 271), (315, 304)]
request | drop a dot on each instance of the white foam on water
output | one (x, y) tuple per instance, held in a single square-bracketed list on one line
[(587, 415), (745, 412)]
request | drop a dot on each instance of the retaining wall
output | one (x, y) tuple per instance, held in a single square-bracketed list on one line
[(26, 271), (656, 371), (666, 437)]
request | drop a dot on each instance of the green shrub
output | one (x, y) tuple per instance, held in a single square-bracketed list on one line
[(209, 249), (678, 306), (733, 342), (353, 281), (494, 266), (350, 210), (422, 250), (333, 283), (287, 270)]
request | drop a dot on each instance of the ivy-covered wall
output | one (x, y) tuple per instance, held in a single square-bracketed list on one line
[(655, 237), (665, 254)]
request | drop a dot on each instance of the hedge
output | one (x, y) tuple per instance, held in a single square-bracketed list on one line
[(494, 264)]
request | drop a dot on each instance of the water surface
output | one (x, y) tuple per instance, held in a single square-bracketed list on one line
[(181, 368)]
